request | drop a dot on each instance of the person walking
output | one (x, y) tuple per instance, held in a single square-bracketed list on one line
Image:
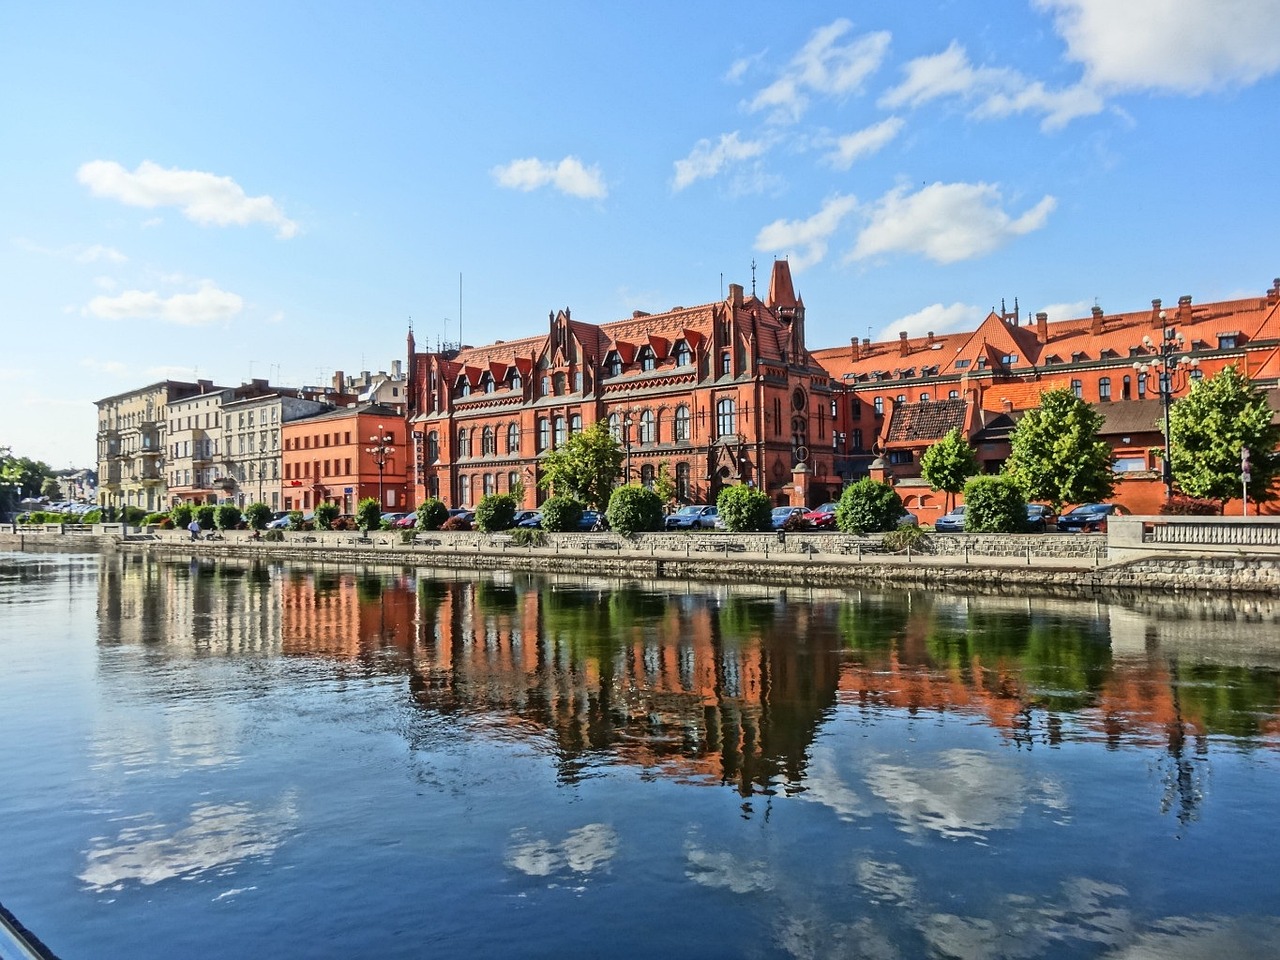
[(194, 527)]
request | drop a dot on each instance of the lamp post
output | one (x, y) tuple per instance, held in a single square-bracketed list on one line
[(262, 469), (383, 445), (626, 438), (1167, 366)]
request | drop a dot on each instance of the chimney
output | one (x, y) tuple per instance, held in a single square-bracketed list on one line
[(903, 347), (1095, 327), (338, 380), (395, 369), (364, 378), (1042, 327), (866, 346), (1273, 295), (735, 294), (1155, 312), (932, 338), (1006, 405), (1184, 309), (853, 348)]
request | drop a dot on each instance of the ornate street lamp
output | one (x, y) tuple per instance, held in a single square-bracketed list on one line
[(626, 439), (1171, 375), (383, 446)]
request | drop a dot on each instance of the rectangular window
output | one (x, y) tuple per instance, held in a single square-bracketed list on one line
[(1130, 464)]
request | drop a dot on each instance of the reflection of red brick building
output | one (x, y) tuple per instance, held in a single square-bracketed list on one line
[(719, 394), (333, 457)]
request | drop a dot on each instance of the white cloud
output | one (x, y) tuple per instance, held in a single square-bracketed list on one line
[(740, 67), (997, 91), (945, 222), (865, 142), (207, 305), (113, 367), (203, 198), (98, 252), (79, 252), (568, 176), (1191, 46), (1068, 311), (707, 159), (805, 241), (935, 318), (823, 66)]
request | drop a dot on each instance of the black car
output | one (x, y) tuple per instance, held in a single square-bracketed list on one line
[(1038, 518), (1089, 517)]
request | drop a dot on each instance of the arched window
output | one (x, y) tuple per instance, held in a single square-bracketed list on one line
[(561, 385), (489, 385), (681, 423), (647, 432), (546, 386), (613, 364), (433, 447), (464, 444), (513, 438), (682, 353), (516, 382), (559, 432), (544, 434), (488, 443), (575, 424), (953, 394), (725, 365), (726, 417), (1126, 386), (577, 381), (487, 486), (1104, 389), (464, 490), (615, 427), (1077, 387), (924, 397), (647, 360), (1142, 386), (878, 403), (464, 388), (513, 481), (682, 482), (646, 476)]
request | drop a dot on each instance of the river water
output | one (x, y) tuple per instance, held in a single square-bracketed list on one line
[(220, 760)]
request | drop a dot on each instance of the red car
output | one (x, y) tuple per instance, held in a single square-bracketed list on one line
[(822, 518)]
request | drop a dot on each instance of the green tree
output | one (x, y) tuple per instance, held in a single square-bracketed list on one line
[(325, 514), (206, 516), (868, 506), (664, 484), (1207, 429), (181, 516), (51, 488), (634, 510), (948, 464), (369, 514), (994, 505), (431, 514), (257, 515), (1057, 455), (560, 514), (497, 511), (228, 516), (22, 475), (744, 508), (585, 468)]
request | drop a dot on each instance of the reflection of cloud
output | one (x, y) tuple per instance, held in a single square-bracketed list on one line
[(585, 850), (824, 785), (966, 795), (724, 871), (1184, 938), (885, 883), (219, 835)]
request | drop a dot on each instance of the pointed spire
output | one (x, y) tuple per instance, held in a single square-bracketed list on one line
[(781, 292)]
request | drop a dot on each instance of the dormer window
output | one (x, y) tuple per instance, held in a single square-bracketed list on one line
[(1009, 359), (464, 388), (961, 364), (613, 364), (1078, 356), (1227, 341), (516, 382), (682, 353), (489, 385), (647, 359)]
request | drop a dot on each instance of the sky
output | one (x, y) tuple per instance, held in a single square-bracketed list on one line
[(240, 190)]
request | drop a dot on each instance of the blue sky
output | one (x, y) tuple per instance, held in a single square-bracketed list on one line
[(242, 189)]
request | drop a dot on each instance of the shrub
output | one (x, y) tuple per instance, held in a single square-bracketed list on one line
[(132, 515), (497, 511), (994, 504), (903, 538), (325, 514), (274, 535), (228, 516), (1184, 506), (295, 519), (369, 514), (257, 515), (166, 523), (206, 515), (181, 516), (868, 506), (95, 516), (561, 513), (528, 537), (456, 523), (744, 508), (634, 510), (154, 518), (431, 514)]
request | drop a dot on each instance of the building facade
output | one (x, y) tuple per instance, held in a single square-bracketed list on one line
[(718, 394), (344, 455)]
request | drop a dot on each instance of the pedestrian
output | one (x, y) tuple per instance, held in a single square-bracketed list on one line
[(194, 527)]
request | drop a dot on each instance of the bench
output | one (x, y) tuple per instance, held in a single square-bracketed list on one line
[(420, 541), (603, 545), (360, 540), (309, 539), (501, 540), (726, 547)]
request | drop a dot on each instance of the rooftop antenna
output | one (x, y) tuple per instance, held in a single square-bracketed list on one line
[(753, 276), (459, 309)]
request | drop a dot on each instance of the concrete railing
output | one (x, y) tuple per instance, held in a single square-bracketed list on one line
[(1129, 537)]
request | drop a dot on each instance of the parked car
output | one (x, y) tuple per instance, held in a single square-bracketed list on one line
[(695, 516), (908, 519), (279, 520), (393, 517), (823, 517), (1089, 517), (592, 520), (952, 522), (407, 522), (522, 515), (531, 522), (1039, 517), (781, 516)]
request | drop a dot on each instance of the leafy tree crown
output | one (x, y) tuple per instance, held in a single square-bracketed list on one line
[(634, 510), (868, 506), (994, 505), (744, 508), (585, 467), (1056, 454)]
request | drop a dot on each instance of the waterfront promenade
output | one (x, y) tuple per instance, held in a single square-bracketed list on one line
[(1052, 564)]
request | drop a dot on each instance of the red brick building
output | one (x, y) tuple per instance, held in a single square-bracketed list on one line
[(717, 394), (334, 457)]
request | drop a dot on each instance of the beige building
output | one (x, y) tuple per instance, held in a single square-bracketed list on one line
[(132, 439), (250, 459)]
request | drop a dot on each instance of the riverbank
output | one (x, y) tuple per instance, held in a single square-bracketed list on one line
[(1050, 565)]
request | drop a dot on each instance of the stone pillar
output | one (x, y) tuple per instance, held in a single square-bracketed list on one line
[(800, 485)]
